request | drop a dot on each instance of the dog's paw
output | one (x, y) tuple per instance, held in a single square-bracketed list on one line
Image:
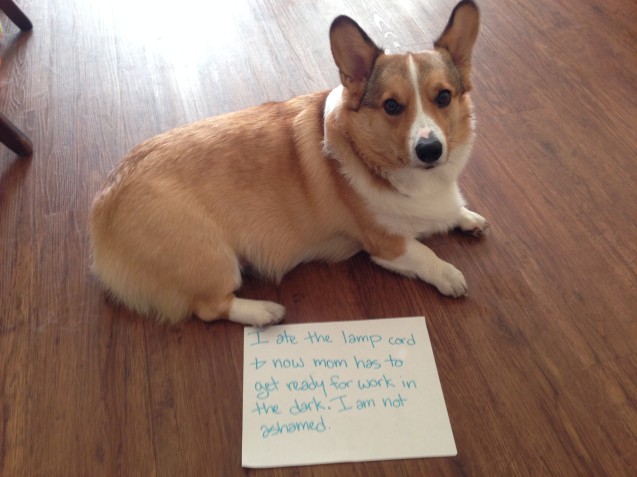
[(270, 314), (472, 223), (450, 281), (256, 312)]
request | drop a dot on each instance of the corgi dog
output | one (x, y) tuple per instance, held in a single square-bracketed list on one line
[(371, 166)]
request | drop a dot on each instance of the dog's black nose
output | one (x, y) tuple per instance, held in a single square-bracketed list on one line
[(429, 149)]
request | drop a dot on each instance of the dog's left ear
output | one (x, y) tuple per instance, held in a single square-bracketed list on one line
[(355, 54), (459, 37)]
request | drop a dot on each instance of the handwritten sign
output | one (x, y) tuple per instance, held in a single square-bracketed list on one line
[(342, 392)]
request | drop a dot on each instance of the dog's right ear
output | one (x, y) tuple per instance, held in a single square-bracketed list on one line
[(355, 54)]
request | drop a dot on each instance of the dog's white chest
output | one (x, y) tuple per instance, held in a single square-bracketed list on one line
[(417, 214), (420, 205)]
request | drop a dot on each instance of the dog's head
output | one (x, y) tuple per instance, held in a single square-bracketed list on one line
[(410, 110)]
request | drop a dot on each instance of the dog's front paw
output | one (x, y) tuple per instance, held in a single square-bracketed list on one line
[(472, 223), (450, 281)]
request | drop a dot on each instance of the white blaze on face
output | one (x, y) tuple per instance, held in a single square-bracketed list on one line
[(423, 125)]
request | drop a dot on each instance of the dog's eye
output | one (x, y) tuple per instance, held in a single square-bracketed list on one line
[(443, 99), (392, 107)]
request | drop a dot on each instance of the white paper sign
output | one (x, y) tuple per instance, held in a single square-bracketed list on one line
[(342, 392)]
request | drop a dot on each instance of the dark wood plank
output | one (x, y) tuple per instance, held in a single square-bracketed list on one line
[(538, 363)]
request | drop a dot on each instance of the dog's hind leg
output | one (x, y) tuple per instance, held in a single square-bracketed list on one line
[(215, 295), (247, 312), (255, 312)]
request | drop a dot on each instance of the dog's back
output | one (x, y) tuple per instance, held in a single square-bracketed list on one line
[(183, 210)]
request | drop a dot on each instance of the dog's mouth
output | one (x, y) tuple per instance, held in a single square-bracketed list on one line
[(428, 167)]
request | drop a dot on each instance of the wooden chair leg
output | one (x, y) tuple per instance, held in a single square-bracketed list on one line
[(10, 135), (13, 138), (16, 15)]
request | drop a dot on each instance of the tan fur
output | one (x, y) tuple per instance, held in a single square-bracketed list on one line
[(271, 187), (183, 210)]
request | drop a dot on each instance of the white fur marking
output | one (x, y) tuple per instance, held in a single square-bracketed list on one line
[(333, 100), (255, 312), (422, 123)]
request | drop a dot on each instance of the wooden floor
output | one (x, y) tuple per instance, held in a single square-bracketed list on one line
[(538, 364)]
